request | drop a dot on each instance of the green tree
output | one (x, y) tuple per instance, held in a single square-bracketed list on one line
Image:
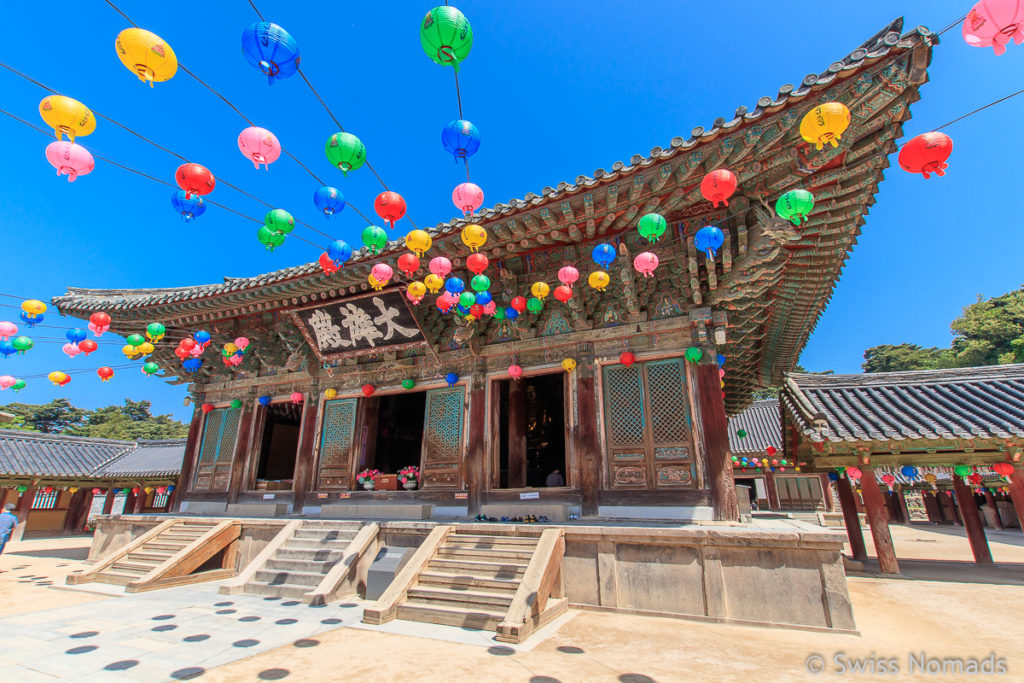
[(896, 357), (50, 418), (131, 421)]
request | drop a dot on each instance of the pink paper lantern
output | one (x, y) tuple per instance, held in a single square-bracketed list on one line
[(440, 266), (297, 397), (6, 381), (490, 308), (98, 330), (242, 343), (515, 372), (646, 263), (260, 146), (468, 197), (853, 472), (382, 273), (7, 329), (71, 349), (568, 275), (991, 23), (70, 159)]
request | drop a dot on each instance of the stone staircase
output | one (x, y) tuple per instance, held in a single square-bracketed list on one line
[(140, 562), (299, 565)]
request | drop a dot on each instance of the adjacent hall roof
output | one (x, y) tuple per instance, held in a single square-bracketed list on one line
[(962, 403), (33, 454), (762, 422)]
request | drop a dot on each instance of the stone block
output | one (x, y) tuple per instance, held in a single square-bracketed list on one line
[(258, 509), (375, 511)]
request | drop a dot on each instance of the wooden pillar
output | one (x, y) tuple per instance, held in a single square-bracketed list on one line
[(851, 519), (772, 492), (588, 448), (129, 502), (108, 502), (243, 447), (826, 493), (304, 458), (188, 463), (476, 453), (371, 419), (901, 497), (172, 497), (517, 434), (990, 500), (874, 504), (78, 510), (715, 430), (23, 510), (972, 521), (1017, 495), (139, 505)]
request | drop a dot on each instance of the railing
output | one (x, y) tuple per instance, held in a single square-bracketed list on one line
[(541, 580), (344, 578), (386, 607), (176, 569), (118, 555)]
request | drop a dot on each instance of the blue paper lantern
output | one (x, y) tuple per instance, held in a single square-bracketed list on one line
[(451, 378), (263, 400), (462, 309), (188, 208), (708, 239), (511, 313), (271, 49), (603, 255), (483, 298), (721, 360), (31, 319), (454, 285), (202, 336), (339, 252), (75, 335), (909, 472), (192, 364), (329, 200), (461, 139), (7, 349), (833, 476)]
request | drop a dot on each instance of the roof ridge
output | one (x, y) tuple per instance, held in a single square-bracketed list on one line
[(908, 376), (45, 436)]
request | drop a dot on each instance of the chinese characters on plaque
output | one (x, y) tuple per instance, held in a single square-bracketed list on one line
[(359, 325)]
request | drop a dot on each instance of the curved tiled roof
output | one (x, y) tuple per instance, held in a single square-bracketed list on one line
[(148, 459), (762, 422), (964, 403), (34, 454)]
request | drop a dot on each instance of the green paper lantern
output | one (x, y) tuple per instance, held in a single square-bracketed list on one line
[(18, 386), (693, 354), (962, 470), (345, 151), (155, 331), (742, 433), (269, 238), (480, 283), (135, 339), (23, 344), (150, 368), (795, 205), (652, 226), (466, 299), (22, 489), (408, 383), (499, 313), (279, 221), (446, 36), (236, 404), (535, 305), (375, 238)]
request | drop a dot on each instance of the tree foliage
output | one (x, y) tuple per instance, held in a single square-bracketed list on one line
[(130, 421), (774, 391), (896, 357)]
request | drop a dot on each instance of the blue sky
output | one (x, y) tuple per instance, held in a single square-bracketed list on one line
[(556, 89)]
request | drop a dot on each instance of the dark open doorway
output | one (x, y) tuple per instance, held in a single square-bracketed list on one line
[(396, 440), (279, 446), (531, 426)]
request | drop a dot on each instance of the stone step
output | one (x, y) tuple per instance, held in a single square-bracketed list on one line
[(169, 546), (325, 534), (276, 590), (496, 544), (309, 554), (300, 543), (276, 578), (530, 541), (491, 602), (151, 556), (478, 568), (135, 563), (285, 565), (450, 616), (129, 569), (115, 578), (330, 524), (467, 582), (487, 555), (185, 539)]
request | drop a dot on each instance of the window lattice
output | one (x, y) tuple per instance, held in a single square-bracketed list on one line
[(624, 397), (211, 436), (339, 425), (667, 389), (444, 424), (229, 435), (160, 500), (44, 500)]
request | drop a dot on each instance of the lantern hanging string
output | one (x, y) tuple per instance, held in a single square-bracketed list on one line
[(458, 95)]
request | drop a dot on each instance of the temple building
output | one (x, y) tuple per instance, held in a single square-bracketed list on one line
[(340, 378)]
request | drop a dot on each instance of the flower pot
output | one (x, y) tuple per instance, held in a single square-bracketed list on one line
[(368, 486), (410, 484)]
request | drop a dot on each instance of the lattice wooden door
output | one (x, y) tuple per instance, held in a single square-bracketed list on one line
[(220, 432), (442, 438), (336, 443), (647, 425)]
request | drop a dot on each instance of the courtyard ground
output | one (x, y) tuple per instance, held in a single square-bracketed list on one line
[(47, 633)]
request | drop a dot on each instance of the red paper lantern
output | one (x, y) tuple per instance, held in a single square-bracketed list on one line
[(408, 264), (627, 358), (327, 264), (136, 490), (853, 472), (99, 319), (563, 293), (181, 353), (514, 371), (207, 407), (771, 450), (194, 179), (518, 303), (718, 186), (974, 478), (926, 153), (888, 479), (477, 311), (1004, 469), (48, 489), (297, 397), (477, 263), (87, 346), (368, 390), (188, 344), (97, 492), (105, 373), (445, 301), (390, 206)]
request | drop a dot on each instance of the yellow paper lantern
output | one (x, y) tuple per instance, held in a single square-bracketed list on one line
[(599, 280), (568, 364), (418, 242), (434, 283), (33, 307), (129, 350), (148, 489), (146, 55), (57, 377), (72, 489), (67, 116), (540, 290), (825, 124), (230, 347), (416, 290), (330, 394), (145, 348), (474, 236)]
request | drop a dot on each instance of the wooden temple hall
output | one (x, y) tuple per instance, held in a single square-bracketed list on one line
[(340, 378)]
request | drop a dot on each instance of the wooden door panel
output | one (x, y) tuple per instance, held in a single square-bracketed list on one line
[(442, 438), (339, 424)]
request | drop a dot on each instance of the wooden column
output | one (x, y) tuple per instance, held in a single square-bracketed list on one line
[(972, 521), (1017, 495), (188, 463), (851, 519), (587, 445), (715, 429), (108, 502), (140, 501), (243, 447), (473, 471), (516, 434), (874, 504), (772, 492), (23, 510), (826, 493), (371, 422), (904, 510), (129, 503), (304, 458), (78, 510), (990, 500)]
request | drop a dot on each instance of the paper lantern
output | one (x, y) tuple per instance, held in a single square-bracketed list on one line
[(477, 263), (22, 344), (155, 331), (603, 255), (467, 197), (271, 49), (374, 238), (992, 23), (58, 378), (598, 280), (207, 407), (693, 354), (909, 472), (652, 226), (888, 479), (962, 470), (515, 372), (926, 154), (7, 330), (279, 221), (146, 55), (67, 116), (105, 373), (345, 152), (71, 350), (264, 400), (445, 301), (534, 305), (270, 239), (480, 283), (415, 291), (70, 159), (446, 36), (825, 124), (540, 290), (461, 139), (474, 236), (708, 240), (563, 293), (567, 275), (390, 206), (853, 473), (627, 358), (6, 382), (418, 242), (1003, 469), (259, 146), (408, 384), (368, 390), (194, 179), (235, 404), (329, 200), (189, 208), (433, 283), (646, 263), (795, 205), (382, 273), (718, 186), (568, 364), (339, 252), (408, 264), (330, 394), (297, 397)]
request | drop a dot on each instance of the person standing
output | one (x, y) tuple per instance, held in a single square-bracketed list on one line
[(8, 521), (555, 479)]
